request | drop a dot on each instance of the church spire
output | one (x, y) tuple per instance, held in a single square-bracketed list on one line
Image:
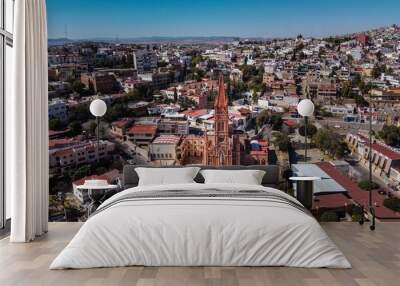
[(221, 101)]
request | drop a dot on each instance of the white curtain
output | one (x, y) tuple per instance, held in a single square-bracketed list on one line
[(26, 124)]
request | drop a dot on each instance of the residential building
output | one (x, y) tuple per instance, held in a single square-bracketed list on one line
[(100, 82), (144, 61), (112, 177), (58, 109), (163, 150), (63, 158), (385, 159), (142, 134)]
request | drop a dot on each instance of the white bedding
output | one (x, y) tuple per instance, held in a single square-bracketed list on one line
[(204, 231)]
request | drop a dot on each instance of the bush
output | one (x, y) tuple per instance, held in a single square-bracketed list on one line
[(356, 213), (329, 216), (365, 185), (392, 203), (311, 130)]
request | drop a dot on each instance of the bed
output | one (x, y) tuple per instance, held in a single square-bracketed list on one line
[(200, 224)]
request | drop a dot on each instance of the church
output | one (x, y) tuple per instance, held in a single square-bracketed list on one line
[(221, 146)]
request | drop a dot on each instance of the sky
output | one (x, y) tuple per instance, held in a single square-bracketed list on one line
[(85, 19)]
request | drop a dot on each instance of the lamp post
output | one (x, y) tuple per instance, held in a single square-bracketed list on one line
[(98, 108), (371, 208), (306, 109)]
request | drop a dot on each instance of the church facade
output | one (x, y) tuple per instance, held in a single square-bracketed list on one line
[(221, 147)]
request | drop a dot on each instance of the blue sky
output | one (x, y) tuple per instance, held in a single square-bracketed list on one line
[(84, 19)]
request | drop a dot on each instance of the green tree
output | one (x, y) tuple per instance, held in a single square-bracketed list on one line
[(81, 172), (391, 135), (276, 122), (282, 141), (377, 70), (263, 118), (75, 128), (365, 185), (311, 130), (78, 87), (92, 127), (55, 124)]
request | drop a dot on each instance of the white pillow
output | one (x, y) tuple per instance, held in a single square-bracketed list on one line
[(247, 177), (166, 176)]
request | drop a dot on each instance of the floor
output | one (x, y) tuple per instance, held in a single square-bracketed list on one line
[(375, 257)]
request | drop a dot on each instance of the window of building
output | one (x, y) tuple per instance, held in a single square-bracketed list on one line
[(6, 44)]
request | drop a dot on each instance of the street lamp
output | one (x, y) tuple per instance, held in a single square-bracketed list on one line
[(98, 108), (306, 109), (371, 208)]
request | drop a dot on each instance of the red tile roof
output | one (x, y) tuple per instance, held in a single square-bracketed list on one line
[(167, 139), (121, 123), (195, 113), (386, 151), (290, 122), (330, 201), (143, 128), (109, 176), (359, 195)]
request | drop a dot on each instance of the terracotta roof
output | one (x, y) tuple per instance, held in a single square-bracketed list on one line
[(121, 123), (359, 195), (290, 122), (109, 176), (60, 142), (65, 152), (331, 201), (143, 128), (195, 113), (167, 139), (386, 151)]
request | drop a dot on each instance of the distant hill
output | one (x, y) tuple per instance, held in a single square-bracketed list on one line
[(219, 39), (59, 41)]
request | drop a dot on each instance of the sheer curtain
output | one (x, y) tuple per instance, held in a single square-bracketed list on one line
[(26, 124)]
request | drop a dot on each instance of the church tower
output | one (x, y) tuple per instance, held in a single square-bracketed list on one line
[(222, 144)]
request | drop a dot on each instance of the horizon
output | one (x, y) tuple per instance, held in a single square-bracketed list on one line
[(180, 19)]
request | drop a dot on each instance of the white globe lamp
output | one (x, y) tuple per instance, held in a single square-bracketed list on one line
[(98, 108), (306, 109)]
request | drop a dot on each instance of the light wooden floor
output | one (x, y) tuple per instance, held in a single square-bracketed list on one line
[(375, 257)]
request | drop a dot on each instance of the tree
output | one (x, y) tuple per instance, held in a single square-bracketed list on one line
[(378, 70), (55, 124), (81, 172), (116, 111), (92, 127), (329, 216), (365, 185), (276, 122), (263, 118), (391, 135), (392, 203), (330, 143), (78, 87), (311, 130), (75, 128), (282, 141)]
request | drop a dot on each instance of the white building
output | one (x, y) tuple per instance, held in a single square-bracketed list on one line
[(144, 61), (58, 110), (163, 149)]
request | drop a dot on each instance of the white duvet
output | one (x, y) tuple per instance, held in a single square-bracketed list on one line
[(200, 231)]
